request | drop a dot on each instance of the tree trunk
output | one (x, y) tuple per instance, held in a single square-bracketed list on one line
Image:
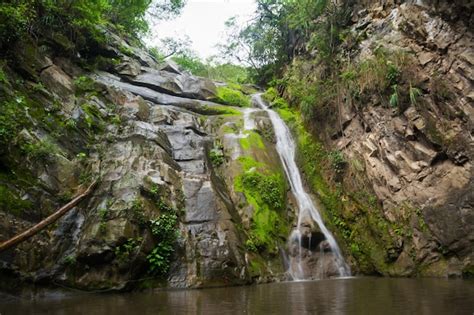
[(47, 221)]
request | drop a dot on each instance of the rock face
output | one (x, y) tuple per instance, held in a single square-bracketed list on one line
[(162, 149), (146, 132), (417, 159)]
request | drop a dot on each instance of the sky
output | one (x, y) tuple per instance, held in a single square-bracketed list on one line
[(203, 21)]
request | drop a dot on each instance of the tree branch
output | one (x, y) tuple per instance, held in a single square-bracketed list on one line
[(47, 221)]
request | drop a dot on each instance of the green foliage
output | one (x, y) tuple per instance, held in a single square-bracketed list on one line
[(12, 120), (164, 230), (126, 50), (270, 94), (393, 73), (79, 19), (338, 162), (102, 213), (137, 212), (70, 260), (216, 155), (228, 72), (383, 70), (191, 63), (270, 41), (421, 220), (157, 197), (155, 53), (84, 84), (15, 17), (124, 251), (325, 36), (92, 117), (229, 96), (40, 150)]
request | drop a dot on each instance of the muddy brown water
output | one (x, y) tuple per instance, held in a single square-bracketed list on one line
[(337, 296)]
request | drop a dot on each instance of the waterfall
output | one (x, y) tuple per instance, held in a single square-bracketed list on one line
[(286, 149)]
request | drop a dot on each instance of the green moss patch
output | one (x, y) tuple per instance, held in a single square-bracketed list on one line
[(265, 191), (230, 96), (252, 140), (220, 110)]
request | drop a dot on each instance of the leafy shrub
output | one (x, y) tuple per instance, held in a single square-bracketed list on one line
[(216, 155), (164, 230)]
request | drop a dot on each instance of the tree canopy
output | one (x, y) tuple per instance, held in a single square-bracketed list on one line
[(280, 30), (77, 17)]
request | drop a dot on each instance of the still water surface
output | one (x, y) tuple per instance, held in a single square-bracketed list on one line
[(340, 296)]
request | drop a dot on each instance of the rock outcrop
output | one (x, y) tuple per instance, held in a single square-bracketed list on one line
[(146, 132), (412, 161)]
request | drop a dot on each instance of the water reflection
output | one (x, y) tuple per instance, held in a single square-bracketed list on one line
[(341, 296)]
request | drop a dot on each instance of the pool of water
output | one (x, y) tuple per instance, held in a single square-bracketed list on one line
[(338, 296)]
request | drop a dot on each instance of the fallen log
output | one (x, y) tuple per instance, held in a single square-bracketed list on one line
[(47, 221)]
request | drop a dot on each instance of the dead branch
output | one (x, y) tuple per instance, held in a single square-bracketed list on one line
[(47, 221)]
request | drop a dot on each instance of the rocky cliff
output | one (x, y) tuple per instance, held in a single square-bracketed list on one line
[(187, 197), (191, 191), (397, 177)]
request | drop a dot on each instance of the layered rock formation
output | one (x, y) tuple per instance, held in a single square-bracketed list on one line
[(146, 132), (415, 160)]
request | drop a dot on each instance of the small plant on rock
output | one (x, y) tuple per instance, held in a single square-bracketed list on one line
[(394, 100), (415, 93), (164, 230), (216, 155)]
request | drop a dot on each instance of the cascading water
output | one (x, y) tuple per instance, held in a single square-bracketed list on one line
[(286, 149)]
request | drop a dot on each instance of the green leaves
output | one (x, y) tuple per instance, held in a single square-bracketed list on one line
[(80, 18), (164, 229)]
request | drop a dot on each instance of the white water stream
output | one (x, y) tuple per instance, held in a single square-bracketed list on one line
[(286, 149)]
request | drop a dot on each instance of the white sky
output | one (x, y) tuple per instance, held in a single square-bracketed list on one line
[(203, 21)]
